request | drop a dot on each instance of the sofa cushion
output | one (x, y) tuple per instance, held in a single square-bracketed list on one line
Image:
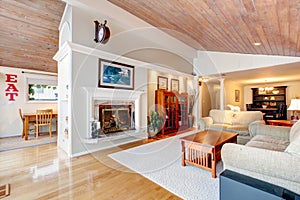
[(268, 130), (246, 117), (268, 142), (221, 116)]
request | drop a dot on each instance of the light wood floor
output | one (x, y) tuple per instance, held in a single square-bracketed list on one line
[(45, 172)]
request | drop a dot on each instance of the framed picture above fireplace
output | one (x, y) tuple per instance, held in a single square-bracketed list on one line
[(115, 75)]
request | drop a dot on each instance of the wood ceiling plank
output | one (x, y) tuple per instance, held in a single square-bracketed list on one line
[(190, 24), (152, 17), (283, 16), (16, 40), (29, 30), (25, 56), (18, 10), (206, 36), (213, 14), (249, 6), (42, 52), (235, 36), (51, 8), (29, 33), (33, 64), (294, 27), (276, 21), (254, 22), (227, 25), (267, 25), (232, 12), (27, 44)]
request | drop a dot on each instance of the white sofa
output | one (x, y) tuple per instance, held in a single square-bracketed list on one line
[(228, 120), (272, 155)]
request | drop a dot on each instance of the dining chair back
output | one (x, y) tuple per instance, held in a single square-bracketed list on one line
[(30, 123), (43, 118)]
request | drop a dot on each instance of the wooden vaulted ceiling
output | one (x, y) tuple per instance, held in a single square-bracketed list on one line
[(225, 25), (29, 28), (29, 33)]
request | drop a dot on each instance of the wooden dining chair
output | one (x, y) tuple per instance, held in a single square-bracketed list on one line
[(30, 123), (43, 118)]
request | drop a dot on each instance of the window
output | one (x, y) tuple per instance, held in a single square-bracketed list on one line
[(42, 90)]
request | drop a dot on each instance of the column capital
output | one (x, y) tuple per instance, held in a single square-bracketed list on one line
[(221, 79)]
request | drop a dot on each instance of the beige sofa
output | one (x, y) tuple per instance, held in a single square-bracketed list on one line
[(228, 120), (272, 155)]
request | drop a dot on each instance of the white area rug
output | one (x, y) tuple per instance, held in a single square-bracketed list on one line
[(160, 162)]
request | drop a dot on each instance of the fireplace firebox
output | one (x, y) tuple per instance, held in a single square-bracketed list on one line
[(116, 118)]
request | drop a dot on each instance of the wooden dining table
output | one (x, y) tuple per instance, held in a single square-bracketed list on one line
[(31, 117)]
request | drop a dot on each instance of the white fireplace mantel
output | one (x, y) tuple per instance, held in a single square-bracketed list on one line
[(112, 94)]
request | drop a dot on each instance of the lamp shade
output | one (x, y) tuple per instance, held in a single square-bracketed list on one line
[(295, 104)]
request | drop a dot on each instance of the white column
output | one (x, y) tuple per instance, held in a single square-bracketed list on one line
[(222, 98)]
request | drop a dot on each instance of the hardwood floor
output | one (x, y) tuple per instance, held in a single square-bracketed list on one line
[(45, 172)]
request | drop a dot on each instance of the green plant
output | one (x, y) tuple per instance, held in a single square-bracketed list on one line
[(156, 121)]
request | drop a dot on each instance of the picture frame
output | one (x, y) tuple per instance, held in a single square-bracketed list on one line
[(237, 95), (162, 83), (175, 85), (115, 75)]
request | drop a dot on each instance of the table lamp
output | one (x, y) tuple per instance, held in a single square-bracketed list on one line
[(294, 106)]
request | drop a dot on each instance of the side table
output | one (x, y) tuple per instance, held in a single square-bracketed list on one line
[(281, 122)]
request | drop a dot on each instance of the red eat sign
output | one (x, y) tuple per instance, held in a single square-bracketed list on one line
[(11, 90)]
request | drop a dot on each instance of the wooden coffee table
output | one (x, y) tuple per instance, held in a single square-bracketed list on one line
[(203, 149)]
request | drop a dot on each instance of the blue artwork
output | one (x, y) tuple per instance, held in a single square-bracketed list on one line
[(116, 75)]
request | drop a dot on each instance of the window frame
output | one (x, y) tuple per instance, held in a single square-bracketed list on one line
[(42, 80)]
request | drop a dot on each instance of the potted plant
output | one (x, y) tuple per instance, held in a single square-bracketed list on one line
[(156, 122)]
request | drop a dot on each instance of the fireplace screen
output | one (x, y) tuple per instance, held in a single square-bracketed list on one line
[(114, 118)]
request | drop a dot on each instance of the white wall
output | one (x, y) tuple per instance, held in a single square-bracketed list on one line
[(10, 121), (85, 74)]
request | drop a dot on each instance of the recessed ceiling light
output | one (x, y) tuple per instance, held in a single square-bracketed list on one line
[(257, 43)]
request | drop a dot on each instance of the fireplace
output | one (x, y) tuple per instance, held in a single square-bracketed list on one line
[(115, 118), (115, 114)]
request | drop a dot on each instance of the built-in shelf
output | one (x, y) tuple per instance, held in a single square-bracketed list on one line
[(271, 102)]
